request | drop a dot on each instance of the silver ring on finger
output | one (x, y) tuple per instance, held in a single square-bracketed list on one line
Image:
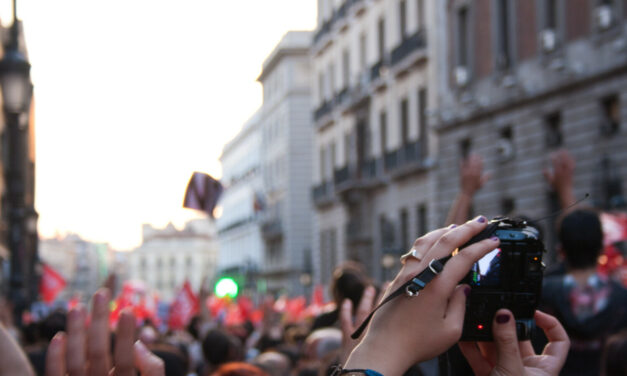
[(413, 253)]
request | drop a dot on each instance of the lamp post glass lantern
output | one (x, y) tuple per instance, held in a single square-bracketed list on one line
[(15, 81)]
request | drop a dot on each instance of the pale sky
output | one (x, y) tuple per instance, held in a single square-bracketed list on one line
[(132, 96)]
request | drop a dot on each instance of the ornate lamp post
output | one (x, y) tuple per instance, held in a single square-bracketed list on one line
[(16, 96)]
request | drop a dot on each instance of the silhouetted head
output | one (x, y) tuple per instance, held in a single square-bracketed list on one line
[(581, 237), (219, 347), (349, 281)]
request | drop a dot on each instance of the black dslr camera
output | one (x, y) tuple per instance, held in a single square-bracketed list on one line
[(509, 276)]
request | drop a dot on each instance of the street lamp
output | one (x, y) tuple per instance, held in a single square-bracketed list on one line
[(15, 74), (16, 96)]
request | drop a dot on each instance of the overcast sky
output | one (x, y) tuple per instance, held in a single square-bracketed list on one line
[(132, 96)]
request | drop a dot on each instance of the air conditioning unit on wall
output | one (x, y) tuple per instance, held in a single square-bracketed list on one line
[(548, 40), (461, 76), (604, 17), (504, 150)]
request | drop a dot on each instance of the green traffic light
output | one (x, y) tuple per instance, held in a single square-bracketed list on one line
[(226, 287)]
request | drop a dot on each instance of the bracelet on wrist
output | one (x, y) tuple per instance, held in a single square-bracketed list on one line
[(344, 371)]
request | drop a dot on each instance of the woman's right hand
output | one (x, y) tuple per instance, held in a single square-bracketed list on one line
[(508, 357), (408, 330)]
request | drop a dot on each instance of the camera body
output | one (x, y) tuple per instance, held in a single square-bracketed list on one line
[(509, 277)]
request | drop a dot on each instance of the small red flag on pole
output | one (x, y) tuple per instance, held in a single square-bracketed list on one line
[(51, 284)]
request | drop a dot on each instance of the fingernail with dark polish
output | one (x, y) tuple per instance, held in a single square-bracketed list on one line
[(502, 319), (452, 226), (466, 291), (481, 219), (494, 238)]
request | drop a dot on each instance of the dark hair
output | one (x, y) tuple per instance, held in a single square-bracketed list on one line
[(614, 362), (220, 347), (349, 281), (175, 361), (581, 236), (53, 323), (239, 369)]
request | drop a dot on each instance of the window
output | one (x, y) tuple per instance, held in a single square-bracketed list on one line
[(323, 169), (550, 15), (422, 122), (333, 156), (404, 229), (402, 18), (464, 148), (420, 7), (346, 68), (462, 37), (383, 131), (553, 127), (321, 87), (347, 147), (381, 33), (421, 218), (362, 52), (404, 122), (503, 53), (331, 80), (610, 122)]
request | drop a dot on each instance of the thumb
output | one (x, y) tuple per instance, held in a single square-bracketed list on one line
[(146, 362), (508, 359)]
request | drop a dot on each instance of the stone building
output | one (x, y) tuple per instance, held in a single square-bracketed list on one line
[(239, 229), (286, 163), (524, 78), (168, 257), (373, 175), (83, 264), (403, 89)]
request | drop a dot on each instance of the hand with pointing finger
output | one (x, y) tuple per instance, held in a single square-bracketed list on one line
[(84, 350)]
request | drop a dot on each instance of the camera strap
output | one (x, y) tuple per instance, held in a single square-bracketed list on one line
[(410, 288)]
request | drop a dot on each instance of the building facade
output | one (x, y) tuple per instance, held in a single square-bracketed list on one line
[(239, 229), (168, 257), (286, 157), (83, 264), (404, 89), (523, 79), (374, 80)]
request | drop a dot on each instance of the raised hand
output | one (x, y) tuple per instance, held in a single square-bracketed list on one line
[(472, 177), (408, 330), (85, 351), (560, 176)]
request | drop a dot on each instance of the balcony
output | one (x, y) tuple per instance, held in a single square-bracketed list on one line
[(363, 176), (272, 229), (409, 160), (325, 29), (324, 110), (323, 194), (342, 97), (416, 42), (339, 17)]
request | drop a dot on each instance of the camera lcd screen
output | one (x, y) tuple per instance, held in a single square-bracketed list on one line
[(487, 271)]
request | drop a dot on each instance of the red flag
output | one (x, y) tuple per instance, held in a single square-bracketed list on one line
[(185, 305), (51, 284)]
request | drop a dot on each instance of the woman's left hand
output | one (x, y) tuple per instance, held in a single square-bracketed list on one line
[(508, 357)]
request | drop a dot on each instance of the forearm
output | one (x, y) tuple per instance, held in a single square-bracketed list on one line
[(460, 210)]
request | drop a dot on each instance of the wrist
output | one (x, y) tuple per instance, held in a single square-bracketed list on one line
[(376, 359)]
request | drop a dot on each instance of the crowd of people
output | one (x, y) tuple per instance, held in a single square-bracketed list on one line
[(581, 322)]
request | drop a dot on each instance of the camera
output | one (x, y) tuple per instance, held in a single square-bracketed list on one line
[(509, 276)]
